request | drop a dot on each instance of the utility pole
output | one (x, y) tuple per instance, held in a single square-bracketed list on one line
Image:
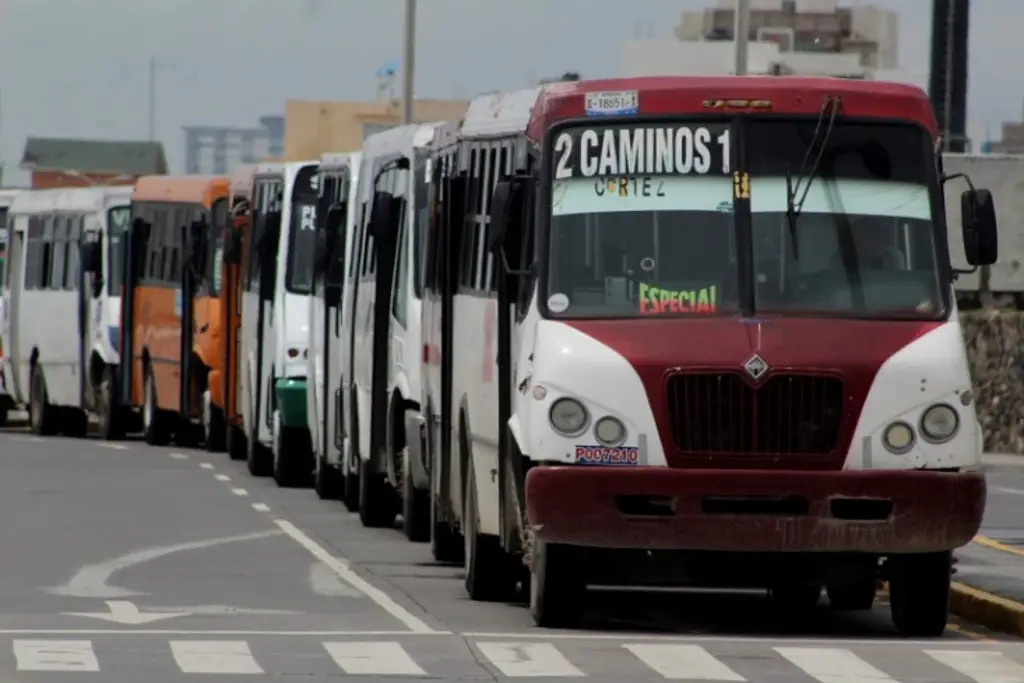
[(152, 98), (408, 61), (741, 36)]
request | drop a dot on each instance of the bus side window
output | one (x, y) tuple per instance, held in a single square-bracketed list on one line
[(34, 253), (74, 235), (59, 252)]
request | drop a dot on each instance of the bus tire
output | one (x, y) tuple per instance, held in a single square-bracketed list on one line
[(291, 453), (236, 441), (919, 586), (558, 585), (42, 416), (350, 497), (214, 435), (155, 422), (377, 509), (854, 597), (490, 575), (74, 423), (795, 595), (259, 460), (446, 544), (328, 480), (111, 419), (415, 507)]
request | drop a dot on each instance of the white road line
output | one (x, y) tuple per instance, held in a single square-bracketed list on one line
[(113, 446), (984, 666), (832, 665), (691, 662), (214, 657), (518, 660), (30, 439), (345, 572), (210, 632), (55, 655), (373, 659), (205, 466), (222, 477), (874, 642), (240, 492), (1006, 489), (261, 507), (178, 456)]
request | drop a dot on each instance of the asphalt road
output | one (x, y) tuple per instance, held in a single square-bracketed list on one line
[(125, 563)]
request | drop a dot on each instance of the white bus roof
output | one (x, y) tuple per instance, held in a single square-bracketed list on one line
[(340, 159), (500, 114), (401, 139), (71, 199), (7, 196), (287, 168)]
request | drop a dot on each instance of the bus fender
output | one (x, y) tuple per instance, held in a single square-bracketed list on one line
[(515, 432)]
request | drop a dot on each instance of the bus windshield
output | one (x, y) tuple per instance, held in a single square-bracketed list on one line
[(642, 222), (301, 246), (864, 243), (118, 219)]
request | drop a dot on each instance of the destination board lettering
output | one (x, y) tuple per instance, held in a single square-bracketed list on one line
[(644, 151)]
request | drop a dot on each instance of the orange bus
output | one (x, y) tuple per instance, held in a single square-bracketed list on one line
[(224, 383), (171, 307)]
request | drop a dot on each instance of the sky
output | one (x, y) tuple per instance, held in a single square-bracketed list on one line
[(80, 68)]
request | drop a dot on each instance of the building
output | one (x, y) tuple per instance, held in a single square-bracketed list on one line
[(215, 150), (57, 162), (805, 37), (1012, 139), (312, 128)]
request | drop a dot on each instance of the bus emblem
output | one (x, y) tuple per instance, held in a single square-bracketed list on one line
[(755, 367)]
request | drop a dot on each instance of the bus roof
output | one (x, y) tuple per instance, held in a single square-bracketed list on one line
[(97, 198), (534, 110), (187, 189), (400, 140), (7, 197), (340, 160)]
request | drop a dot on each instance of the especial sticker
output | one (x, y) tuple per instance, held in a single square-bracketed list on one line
[(657, 300), (558, 303)]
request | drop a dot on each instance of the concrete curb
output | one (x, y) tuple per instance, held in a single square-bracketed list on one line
[(989, 610)]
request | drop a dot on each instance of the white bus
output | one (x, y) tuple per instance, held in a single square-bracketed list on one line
[(664, 334), (6, 199), (337, 215), (62, 295), (381, 359), (275, 321)]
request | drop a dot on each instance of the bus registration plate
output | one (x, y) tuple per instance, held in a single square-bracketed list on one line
[(622, 103)]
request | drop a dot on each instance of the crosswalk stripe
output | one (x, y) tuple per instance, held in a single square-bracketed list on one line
[(55, 655), (375, 659), (214, 657), (832, 665), (984, 666), (528, 659), (691, 662)]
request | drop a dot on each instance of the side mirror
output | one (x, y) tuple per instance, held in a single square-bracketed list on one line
[(384, 215), (981, 238), (233, 247), (92, 258)]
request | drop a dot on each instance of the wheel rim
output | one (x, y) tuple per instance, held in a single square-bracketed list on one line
[(147, 404)]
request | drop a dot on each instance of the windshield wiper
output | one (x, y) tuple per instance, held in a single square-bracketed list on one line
[(829, 109)]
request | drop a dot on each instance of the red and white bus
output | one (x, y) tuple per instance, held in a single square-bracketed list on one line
[(701, 331)]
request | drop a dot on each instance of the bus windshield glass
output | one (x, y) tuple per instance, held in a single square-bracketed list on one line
[(421, 181), (118, 219), (642, 222), (863, 243), (302, 232)]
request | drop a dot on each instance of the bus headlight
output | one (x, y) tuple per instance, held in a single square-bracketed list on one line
[(568, 417), (609, 431), (939, 423), (898, 438)]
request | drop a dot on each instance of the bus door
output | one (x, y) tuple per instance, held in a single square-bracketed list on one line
[(269, 198), (136, 243), (195, 238), (231, 312), (454, 208), (90, 304)]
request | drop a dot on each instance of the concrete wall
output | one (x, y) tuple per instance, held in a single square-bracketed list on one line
[(995, 346)]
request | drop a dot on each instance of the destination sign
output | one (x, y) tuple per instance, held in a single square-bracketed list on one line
[(672, 149)]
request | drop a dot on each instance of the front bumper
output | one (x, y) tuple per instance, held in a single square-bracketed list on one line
[(874, 511)]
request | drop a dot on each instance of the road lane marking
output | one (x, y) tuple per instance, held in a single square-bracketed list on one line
[(261, 507), (211, 632), (222, 477), (55, 655), (113, 446), (178, 456), (323, 581), (240, 492), (832, 665), (214, 657), (205, 466), (690, 662), (993, 544), (518, 660), (346, 574), (373, 659), (91, 581), (981, 665)]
